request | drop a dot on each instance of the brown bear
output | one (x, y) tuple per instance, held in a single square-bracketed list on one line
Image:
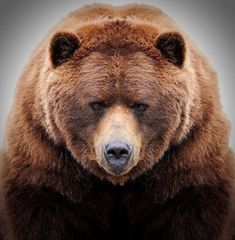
[(117, 132)]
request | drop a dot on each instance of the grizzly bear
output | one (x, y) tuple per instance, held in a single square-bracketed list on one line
[(117, 132)]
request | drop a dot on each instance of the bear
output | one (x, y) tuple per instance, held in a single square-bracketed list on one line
[(117, 132)]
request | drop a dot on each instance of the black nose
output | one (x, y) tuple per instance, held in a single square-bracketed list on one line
[(117, 155)]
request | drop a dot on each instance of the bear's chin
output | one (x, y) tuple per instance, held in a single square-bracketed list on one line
[(116, 179), (119, 180)]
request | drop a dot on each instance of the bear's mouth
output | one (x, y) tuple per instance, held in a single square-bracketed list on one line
[(118, 171), (117, 178)]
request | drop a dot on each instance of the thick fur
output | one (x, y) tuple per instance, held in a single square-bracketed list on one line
[(182, 186)]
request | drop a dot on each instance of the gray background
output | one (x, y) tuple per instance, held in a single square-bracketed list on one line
[(209, 23)]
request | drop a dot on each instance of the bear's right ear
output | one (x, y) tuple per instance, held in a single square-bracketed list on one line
[(62, 47)]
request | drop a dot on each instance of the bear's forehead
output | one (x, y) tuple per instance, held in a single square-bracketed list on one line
[(118, 33), (118, 62), (130, 76)]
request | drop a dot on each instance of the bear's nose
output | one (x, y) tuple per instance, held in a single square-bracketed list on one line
[(117, 155)]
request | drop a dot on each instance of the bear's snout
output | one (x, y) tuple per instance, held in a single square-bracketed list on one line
[(117, 155), (117, 141)]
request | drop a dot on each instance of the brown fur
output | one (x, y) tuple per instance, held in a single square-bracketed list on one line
[(180, 182)]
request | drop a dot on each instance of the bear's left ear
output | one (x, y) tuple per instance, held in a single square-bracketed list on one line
[(62, 47), (172, 47)]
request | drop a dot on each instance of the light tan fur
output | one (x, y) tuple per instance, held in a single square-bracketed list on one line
[(118, 125)]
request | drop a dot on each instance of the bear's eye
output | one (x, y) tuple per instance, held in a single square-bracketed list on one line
[(140, 107), (98, 106)]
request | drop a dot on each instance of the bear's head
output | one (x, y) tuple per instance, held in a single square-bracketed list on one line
[(118, 95)]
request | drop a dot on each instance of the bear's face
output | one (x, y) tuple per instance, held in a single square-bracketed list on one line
[(117, 108)]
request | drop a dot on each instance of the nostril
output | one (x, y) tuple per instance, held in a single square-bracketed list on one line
[(111, 152), (117, 152), (124, 152)]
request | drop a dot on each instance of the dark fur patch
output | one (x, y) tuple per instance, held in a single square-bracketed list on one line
[(63, 46), (172, 47)]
